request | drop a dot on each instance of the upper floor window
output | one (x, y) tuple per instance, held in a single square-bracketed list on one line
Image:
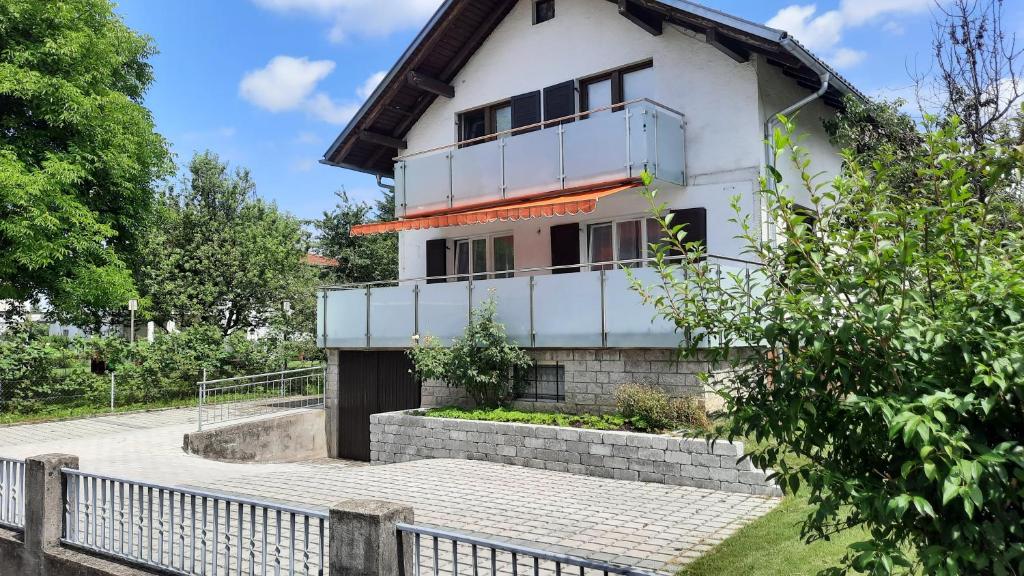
[(618, 86), (543, 10), (485, 121)]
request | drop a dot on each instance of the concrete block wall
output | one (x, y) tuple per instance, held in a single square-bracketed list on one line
[(593, 376), (407, 435)]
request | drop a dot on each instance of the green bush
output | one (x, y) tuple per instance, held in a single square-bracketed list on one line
[(649, 409), (39, 372), (891, 358), (483, 362), (690, 413)]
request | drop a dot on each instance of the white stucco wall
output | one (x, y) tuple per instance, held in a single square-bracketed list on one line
[(778, 92), (724, 103)]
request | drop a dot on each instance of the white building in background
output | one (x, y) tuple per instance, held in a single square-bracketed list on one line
[(516, 132)]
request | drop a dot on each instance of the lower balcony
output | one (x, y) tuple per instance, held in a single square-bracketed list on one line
[(540, 308)]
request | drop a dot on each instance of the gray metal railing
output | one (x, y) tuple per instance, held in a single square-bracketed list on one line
[(12, 493), (603, 145), (191, 532), (244, 396), (594, 306), (451, 553)]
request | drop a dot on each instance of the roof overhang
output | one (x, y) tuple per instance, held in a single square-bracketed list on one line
[(426, 69)]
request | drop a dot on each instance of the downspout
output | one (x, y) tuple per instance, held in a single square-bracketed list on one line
[(773, 121), (381, 184)]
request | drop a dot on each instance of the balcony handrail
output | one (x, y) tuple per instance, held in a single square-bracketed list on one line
[(537, 125), (473, 276)]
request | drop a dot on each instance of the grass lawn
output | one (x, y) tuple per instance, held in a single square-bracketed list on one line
[(771, 546)]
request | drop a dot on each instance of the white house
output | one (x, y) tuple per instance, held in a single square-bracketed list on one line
[(516, 132)]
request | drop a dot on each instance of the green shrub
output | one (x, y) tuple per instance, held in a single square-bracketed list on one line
[(649, 409), (891, 363), (690, 413), (646, 408), (483, 362)]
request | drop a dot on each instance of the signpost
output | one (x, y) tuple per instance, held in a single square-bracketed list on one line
[(133, 305)]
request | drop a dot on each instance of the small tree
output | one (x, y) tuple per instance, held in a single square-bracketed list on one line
[(890, 361), (483, 362)]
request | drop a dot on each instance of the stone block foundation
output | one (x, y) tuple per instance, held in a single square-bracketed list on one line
[(663, 459), (593, 375)]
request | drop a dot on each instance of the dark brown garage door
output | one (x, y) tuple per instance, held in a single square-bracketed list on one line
[(371, 382)]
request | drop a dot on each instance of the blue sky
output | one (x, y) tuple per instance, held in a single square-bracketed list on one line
[(268, 84)]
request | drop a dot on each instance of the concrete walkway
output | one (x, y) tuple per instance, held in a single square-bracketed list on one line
[(649, 526)]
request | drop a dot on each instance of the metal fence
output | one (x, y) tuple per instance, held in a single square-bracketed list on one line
[(451, 553), (191, 532), (12, 493), (244, 396)]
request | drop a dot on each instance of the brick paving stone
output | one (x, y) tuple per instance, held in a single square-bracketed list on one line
[(652, 526)]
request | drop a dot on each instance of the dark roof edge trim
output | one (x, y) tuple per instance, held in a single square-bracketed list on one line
[(384, 84)]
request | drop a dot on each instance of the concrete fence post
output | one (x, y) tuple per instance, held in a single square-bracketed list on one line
[(365, 540), (44, 500)]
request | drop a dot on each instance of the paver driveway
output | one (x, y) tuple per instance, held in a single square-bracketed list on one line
[(650, 526)]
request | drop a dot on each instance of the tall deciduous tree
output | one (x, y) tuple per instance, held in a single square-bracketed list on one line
[(78, 154), (889, 359), (361, 258), (221, 256), (979, 68)]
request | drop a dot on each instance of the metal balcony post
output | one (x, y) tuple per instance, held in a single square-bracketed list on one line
[(324, 327), (451, 179), (561, 155), (533, 326), (416, 310), (651, 163), (604, 314), (469, 297), (629, 147), (504, 180), (367, 316)]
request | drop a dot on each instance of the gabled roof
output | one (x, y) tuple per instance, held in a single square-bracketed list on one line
[(459, 27)]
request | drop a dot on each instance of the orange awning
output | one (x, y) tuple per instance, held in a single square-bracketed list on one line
[(567, 204)]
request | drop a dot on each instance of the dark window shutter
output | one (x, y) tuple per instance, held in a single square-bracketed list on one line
[(525, 109), (437, 260), (560, 100), (565, 247), (696, 222)]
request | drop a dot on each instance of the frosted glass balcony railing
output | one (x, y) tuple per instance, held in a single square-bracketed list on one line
[(588, 309), (603, 145)]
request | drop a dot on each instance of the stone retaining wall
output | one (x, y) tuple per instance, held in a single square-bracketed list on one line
[(407, 435)]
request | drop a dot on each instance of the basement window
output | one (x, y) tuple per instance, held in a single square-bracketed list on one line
[(543, 383), (543, 10)]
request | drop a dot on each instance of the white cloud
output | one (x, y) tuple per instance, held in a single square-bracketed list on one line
[(323, 107), (816, 32), (847, 57), (823, 32), (288, 83), (371, 84), (360, 17), (306, 137), (894, 28), (284, 83)]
